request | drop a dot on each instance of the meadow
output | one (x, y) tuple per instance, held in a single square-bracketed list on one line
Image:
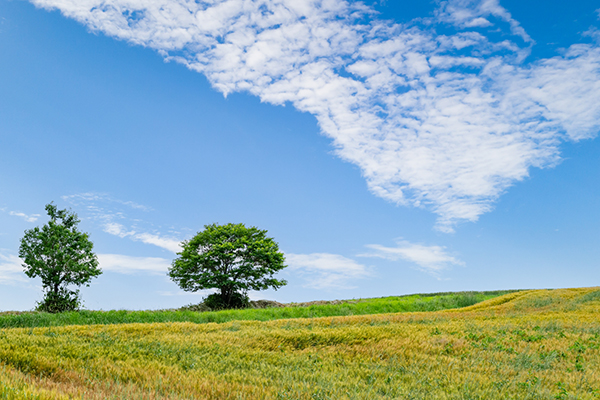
[(392, 304), (522, 345)]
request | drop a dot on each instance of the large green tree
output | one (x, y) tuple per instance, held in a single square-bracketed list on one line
[(231, 258), (61, 256)]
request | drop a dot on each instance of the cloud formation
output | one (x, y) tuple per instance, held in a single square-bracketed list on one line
[(171, 244), (430, 259), (90, 199), (112, 213), (444, 121), (127, 264), (28, 218), (475, 14), (326, 271), (11, 269)]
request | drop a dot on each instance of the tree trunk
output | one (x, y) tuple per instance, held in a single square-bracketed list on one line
[(226, 296)]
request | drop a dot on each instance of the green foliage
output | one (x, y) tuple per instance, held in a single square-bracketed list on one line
[(231, 258), (215, 301), (61, 256), (63, 300)]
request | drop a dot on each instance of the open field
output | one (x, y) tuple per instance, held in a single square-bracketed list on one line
[(523, 345), (415, 302)]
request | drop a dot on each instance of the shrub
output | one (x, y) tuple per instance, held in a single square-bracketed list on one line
[(63, 300), (215, 301)]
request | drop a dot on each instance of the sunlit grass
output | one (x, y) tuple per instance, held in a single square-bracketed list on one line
[(15, 385), (417, 302), (525, 345)]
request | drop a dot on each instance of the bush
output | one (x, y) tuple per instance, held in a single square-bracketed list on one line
[(467, 299), (63, 300), (200, 307), (215, 301)]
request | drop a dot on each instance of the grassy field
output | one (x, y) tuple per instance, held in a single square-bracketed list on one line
[(415, 302), (541, 344)]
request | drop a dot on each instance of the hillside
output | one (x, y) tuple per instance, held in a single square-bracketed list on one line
[(528, 344), (337, 308)]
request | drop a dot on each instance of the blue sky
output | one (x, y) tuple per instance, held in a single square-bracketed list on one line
[(389, 147)]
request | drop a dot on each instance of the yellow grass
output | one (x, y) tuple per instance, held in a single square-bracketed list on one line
[(525, 345)]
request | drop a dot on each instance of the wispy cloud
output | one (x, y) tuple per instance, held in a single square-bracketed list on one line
[(11, 269), (430, 259), (167, 243), (128, 265), (326, 271), (116, 229), (448, 121), (474, 14), (28, 218), (594, 33), (90, 198), (103, 208), (112, 214)]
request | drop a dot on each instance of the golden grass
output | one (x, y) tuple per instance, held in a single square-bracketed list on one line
[(525, 345)]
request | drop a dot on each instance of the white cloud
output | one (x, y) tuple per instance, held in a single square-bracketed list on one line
[(443, 121), (127, 264), (594, 33), (116, 229), (90, 198), (171, 244), (431, 259), (28, 218), (473, 13), (106, 210), (11, 269), (326, 271)]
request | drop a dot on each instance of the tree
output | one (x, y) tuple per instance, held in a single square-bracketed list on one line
[(231, 258), (61, 256)]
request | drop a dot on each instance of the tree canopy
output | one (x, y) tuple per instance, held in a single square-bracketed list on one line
[(61, 256), (231, 258)]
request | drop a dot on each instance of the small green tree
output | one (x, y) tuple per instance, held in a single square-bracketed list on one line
[(231, 258), (61, 256)]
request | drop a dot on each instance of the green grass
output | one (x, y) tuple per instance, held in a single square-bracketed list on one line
[(535, 344), (410, 303)]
